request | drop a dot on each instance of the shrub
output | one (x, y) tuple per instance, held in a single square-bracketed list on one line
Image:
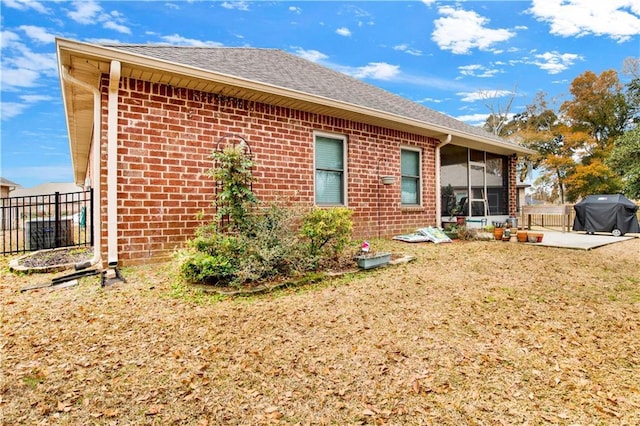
[(328, 231), (267, 247), (258, 244), (233, 172), (203, 267)]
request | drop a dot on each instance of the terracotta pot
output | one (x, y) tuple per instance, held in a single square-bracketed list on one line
[(497, 233), (522, 236), (535, 237)]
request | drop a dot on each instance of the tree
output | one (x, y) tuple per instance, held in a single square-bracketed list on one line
[(498, 112), (540, 129), (625, 161), (598, 113), (599, 108), (631, 68)]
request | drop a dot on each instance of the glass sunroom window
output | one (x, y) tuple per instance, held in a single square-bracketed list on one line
[(410, 171), (330, 173)]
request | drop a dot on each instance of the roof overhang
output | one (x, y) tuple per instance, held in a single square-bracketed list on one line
[(87, 62)]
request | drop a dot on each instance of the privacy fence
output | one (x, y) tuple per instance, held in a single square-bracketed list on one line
[(46, 221)]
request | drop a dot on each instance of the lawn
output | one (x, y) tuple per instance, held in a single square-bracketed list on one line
[(469, 333)]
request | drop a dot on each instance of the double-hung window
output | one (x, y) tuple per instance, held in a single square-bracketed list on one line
[(330, 178), (410, 172)]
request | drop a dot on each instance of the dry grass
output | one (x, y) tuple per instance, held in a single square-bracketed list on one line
[(470, 333)]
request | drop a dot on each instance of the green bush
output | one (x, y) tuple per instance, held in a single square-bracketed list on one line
[(236, 199), (257, 244), (328, 231), (203, 267), (267, 247)]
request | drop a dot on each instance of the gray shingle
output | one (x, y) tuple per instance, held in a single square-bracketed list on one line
[(278, 68)]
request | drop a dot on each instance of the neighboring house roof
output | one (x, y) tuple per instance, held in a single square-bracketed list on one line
[(7, 182), (262, 75), (46, 189)]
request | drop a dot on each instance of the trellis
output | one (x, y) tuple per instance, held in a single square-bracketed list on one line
[(229, 140)]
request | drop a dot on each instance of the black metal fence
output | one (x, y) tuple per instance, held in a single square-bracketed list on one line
[(38, 222)]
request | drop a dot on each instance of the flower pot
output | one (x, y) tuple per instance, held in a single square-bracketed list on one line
[(535, 237), (497, 233), (369, 261), (388, 180), (522, 236)]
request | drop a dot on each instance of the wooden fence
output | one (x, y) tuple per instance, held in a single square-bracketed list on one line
[(550, 216)]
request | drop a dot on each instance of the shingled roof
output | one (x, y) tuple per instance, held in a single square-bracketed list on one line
[(281, 69)]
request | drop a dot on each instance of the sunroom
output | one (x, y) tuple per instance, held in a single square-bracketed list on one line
[(474, 186)]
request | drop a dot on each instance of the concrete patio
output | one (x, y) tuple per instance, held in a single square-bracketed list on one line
[(580, 240)]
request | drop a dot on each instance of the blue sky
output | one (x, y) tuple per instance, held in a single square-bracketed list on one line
[(459, 58)]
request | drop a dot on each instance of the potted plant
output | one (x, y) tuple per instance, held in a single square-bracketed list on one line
[(368, 259), (498, 231), (522, 236)]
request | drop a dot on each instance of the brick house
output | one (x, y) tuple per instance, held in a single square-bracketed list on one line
[(143, 121)]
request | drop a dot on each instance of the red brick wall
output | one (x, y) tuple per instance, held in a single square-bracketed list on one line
[(166, 136), (513, 190)]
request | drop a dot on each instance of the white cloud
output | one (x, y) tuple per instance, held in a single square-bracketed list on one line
[(477, 70), (237, 5), (12, 109), (343, 31), (377, 71), (406, 49), (90, 12), (428, 2), (36, 98), (26, 5), (110, 25), (431, 100), (555, 62), (85, 12), (473, 119), (481, 95), (617, 19), (21, 67), (295, 10), (183, 41), (460, 31), (38, 34), (311, 55)]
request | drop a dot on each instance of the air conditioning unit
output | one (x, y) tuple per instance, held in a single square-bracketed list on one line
[(40, 234)]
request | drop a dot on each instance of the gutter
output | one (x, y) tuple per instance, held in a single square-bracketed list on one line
[(97, 128), (112, 165), (438, 185)]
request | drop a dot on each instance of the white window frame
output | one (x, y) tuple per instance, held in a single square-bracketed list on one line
[(419, 151), (345, 177)]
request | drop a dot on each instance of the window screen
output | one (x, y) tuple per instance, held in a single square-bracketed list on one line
[(410, 170), (329, 170)]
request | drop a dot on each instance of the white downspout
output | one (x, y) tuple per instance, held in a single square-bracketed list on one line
[(438, 186), (95, 168), (112, 165)]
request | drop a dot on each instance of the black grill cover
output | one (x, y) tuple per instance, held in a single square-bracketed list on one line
[(604, 213)]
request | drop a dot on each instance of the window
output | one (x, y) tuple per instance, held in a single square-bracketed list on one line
[(410, 171), (330, 169), (469, 177)]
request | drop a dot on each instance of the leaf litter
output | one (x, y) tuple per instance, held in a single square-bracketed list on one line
[(469, 333)]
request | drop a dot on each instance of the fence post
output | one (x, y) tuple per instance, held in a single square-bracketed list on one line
[(57, 221)]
